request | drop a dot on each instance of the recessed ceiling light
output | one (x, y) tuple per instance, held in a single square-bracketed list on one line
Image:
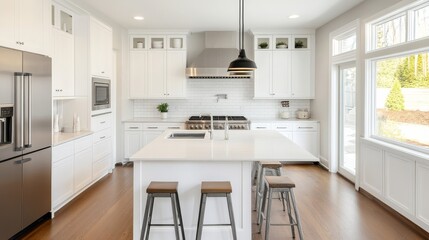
[(138, 18), (294, 16)]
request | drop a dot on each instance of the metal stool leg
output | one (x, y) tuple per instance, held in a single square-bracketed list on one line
[(268, 219), (262, 208), (201, 216), (289, 213), (180, 216), (279, 173), (150, 216), (173, 208), (146, 213), (258, 185), (298, 221), (231, 216)]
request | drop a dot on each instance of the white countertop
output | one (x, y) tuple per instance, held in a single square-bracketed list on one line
[(61, 137), (156, 120), (243, 145)]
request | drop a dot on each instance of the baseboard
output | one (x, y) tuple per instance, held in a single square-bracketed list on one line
[(324, 162), (397, 215)]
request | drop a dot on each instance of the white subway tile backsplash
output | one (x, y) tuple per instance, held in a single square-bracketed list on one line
[(201, 99)]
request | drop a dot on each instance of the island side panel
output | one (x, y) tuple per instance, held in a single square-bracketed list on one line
[(189, 174)]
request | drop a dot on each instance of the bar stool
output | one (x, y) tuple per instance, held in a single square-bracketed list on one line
[(215, 189), (275, 166), (162, 189), (283, 185)]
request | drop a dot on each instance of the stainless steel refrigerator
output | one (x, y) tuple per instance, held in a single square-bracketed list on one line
[(25, 139)]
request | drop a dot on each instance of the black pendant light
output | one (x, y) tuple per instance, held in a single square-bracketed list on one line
[(242, 63)]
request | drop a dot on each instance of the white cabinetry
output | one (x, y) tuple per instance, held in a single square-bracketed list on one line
[(24, 25), (71, 170), (103, 144), (304, 133), (285, 66), (62, 64), (138, 135), (157, 66), (422, 179), (100, 49)]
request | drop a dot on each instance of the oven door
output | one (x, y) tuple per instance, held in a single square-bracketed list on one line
[(100, 94)]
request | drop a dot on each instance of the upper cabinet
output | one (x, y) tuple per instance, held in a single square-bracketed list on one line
[(285, 66), (63, 64), (25, 25), (100, 49), (157, 66)]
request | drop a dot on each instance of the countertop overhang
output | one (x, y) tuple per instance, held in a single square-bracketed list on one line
[(243, 145)]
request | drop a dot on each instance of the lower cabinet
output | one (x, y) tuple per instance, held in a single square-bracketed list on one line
[(304, 133), (138, 135), (72, 170)]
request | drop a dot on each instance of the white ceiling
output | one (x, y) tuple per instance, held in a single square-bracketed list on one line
[(212, 15)]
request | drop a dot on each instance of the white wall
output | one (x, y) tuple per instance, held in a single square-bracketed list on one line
[(201, 99), (320, 105)]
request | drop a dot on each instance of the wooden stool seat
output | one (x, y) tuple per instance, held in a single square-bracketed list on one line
[(162, 187), (279, 182), (216, 187), (271, 164)]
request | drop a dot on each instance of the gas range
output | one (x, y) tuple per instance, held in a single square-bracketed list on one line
[(203, 122)]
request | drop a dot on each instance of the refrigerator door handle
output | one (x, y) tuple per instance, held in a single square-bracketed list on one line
[(19, 111), (28, 108)]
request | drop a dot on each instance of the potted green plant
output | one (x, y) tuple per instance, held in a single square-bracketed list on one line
[(299, 44), (163, 109), (281, 45), (263, 45)]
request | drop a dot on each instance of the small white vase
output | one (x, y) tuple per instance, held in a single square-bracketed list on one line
[(164, 115)]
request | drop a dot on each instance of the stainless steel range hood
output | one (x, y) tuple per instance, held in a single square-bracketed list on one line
[(220, 50)]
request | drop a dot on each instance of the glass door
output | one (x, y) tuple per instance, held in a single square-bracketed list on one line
[(347, 120)]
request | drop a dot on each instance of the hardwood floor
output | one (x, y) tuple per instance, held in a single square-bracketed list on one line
[(330, 208)]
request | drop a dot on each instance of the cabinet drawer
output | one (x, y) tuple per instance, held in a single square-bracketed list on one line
[(305, 126), (82, 143), (261, 126), (283, 126), (62, 151), (101, 135), (162, 126), (133, 126), (102, 149), (101, 122), (101, 166)]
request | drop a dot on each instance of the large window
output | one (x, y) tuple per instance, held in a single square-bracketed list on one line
[(402, 99), (399, 77)]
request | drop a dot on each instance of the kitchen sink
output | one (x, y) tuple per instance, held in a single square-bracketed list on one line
[(187, 135)]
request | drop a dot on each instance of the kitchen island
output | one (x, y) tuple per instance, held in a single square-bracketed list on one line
[(190, 161)]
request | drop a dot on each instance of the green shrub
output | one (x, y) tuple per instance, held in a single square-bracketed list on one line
[(395, 99)]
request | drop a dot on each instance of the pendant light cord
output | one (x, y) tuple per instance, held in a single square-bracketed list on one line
[(242, 22), (239, 24)]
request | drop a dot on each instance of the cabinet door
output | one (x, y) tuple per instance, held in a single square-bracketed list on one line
[(301, 74), (133, 142), (62, 181), (8, 26), (138, 74), (156, 74), (281, 74), (149, 136), (82, 169), (101, 49), (263, 74), (307, 140), (288, 134), (33, 22), (63, 64), (176, 79)]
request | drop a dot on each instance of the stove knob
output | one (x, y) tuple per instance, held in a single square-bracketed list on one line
[(220, 126), (200, 126), (191, 126), (242, 126)]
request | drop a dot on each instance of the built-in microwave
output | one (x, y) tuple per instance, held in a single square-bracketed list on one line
[(100, 93)]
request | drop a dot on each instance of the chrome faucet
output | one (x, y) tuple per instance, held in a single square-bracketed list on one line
[(211, 124), (226, 128)]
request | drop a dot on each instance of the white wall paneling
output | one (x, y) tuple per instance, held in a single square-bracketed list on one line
[(422, 180), (372, 170)]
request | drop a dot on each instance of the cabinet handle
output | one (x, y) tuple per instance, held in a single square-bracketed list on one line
[(103, 137), (261, 127), (133, 127), (305, 127), (173, 127), (281, 127), (152, 127), (103, 122)]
